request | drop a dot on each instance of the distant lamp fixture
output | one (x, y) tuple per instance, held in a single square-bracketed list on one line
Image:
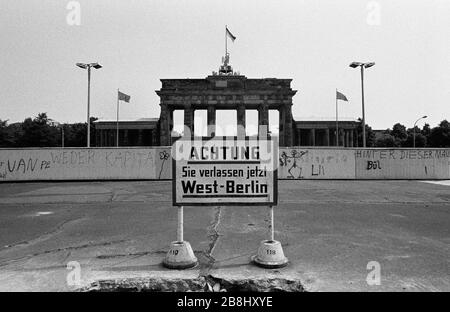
[(355, 64), (84, 66), (88, 67), (81, 65), (366, 65), (414, 130), (362, 66)]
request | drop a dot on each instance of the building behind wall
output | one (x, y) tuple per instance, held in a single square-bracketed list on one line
[(226, 90), (145, 132), (323, 133), (141, 132)]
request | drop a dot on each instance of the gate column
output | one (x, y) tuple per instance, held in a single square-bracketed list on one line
[(211, 131)]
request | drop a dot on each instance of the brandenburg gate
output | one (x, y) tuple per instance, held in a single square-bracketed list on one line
[(226, 90)]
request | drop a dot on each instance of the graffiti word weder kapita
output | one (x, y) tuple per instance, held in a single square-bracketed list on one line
[(224, 172)]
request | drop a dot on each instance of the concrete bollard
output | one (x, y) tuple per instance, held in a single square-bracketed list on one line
[(270, 255), (180, 256)]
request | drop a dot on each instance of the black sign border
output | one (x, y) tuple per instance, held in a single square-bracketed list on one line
[(275, 179)]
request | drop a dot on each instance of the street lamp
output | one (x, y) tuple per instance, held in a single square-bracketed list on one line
[(88, 67), (362, 66), (414, 130), (62, 136)]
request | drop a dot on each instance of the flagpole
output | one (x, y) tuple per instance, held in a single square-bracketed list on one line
[(226, 50), (337, 127), (117, 123)]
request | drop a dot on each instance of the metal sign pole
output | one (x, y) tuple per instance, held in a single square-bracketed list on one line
[(180, 224), (270, 252), (180, 255), (272, 230)]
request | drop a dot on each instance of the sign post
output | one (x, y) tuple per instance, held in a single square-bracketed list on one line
[(180, 255), (270, 252), (272, 231), (180, 224), (224, 171)]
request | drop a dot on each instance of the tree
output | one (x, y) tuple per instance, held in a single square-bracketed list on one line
[(426, 130), (370, 135), (75, 135), (440, 136), (385, 140), (13, 133), (38, 132), (4, 137), (399, 131), (399, 134), (44, 132), (421, 140)]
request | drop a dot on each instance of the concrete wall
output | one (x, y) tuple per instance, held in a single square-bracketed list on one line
[(84, 164), (155, 163), (403, 163)]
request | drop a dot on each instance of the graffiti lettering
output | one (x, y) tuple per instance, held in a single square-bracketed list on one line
[(22, 165), (320, 170), (45, 164), (381, 154), (442, 154), (373, 165), (402, 154), (128, 159), (73, 157)]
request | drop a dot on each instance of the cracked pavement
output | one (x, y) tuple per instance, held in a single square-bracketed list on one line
[(330, 230)]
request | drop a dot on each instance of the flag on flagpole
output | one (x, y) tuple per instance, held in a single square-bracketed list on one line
[(340, 96), (230, 35), (123, 97)]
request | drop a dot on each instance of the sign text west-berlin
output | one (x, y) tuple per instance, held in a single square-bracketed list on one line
[(224, 171)]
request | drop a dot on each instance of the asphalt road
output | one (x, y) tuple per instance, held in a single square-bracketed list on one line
[(330, 231)]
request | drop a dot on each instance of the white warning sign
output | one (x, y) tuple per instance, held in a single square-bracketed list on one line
[(224, 171)]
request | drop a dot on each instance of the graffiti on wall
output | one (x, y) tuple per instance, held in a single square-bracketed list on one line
[(418, 163), (164, 157), (373, 165), (155, 163), (291, 162), (78, 163), (297, 163), (399, 154)]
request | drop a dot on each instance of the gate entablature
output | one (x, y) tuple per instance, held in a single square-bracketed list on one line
[(235, 92)]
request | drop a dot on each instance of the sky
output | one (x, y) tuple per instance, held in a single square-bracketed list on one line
[(139, 42)]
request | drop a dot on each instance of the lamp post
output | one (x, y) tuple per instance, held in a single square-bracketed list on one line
[(414, 130), (88, 67), (59, 126), (62, 136), (362, 66)]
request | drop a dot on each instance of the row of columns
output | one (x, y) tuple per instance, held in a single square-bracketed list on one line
[(347, 137), (285, 121), (107, 137)]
